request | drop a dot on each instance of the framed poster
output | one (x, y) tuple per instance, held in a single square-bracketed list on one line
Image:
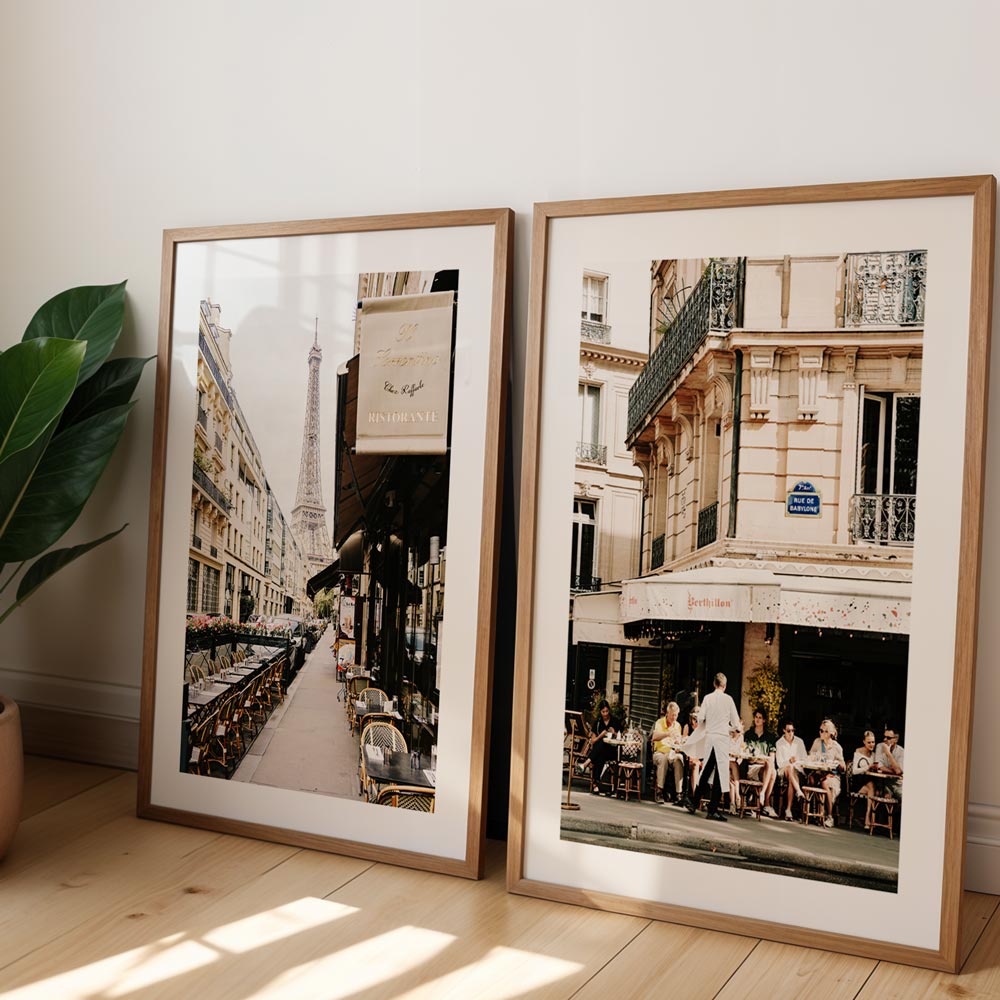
[(754, 438), (329, 422)]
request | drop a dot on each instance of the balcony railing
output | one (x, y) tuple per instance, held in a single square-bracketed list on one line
[(204, 482), (206, 353), (714, 306), (203, 418), (657, 552), (596, 454), (585, 582), (708, 524), (218, 444), (596, 333), (883, 518), (195, 542), (885, 289)]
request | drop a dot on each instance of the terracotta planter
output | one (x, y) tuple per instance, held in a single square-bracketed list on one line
[(11, 772)]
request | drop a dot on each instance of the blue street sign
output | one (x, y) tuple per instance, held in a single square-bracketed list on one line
[(803, 500)]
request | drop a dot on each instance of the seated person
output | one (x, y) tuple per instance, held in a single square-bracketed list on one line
[(694, 763), (889, 759), (761, 746), (667, 729), (864, 760), (825, 748), (598, 754), (735, 760), (789, 752)]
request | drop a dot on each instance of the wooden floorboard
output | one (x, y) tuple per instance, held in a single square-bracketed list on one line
[(48, 782), (98, 904), (668, 953)]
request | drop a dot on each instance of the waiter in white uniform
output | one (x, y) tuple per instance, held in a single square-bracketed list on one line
[(720, 721)]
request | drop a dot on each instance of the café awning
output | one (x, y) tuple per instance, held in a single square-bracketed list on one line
[(712, 594), (724, 594)]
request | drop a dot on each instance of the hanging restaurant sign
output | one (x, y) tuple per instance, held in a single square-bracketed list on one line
[(404, 374)]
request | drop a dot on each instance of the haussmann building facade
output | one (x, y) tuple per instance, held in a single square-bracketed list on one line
[(776, 427)]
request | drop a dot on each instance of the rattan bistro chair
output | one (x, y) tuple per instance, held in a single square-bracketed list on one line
[(202, 734), (380, 735), (406, 797), (372, 699), (629, 767), (751, 797)]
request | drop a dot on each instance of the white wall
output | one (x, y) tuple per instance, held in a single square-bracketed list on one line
[(119, 119)]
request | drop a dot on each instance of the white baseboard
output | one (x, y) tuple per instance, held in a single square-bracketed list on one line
[(80, 720), (92, 739), (30, 687), (982, 855)]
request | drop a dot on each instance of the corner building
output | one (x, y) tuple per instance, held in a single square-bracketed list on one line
[(775, 427)]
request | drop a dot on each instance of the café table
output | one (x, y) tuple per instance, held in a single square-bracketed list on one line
[(398, 770), (206, 695)]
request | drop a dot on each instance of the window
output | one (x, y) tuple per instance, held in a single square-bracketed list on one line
[(887, 456), (584, 534), (194, 568), (590, 414), (884, 508), (210, 591), (595, 298)]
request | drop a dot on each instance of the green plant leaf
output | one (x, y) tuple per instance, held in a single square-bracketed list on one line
[(111, 385), (38, 504), (91, 313), (36, 382), (50, 564)]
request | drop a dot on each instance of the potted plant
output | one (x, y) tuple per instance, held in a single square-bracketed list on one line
[(63, 407)]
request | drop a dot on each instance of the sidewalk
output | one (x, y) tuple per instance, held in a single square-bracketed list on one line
[(813, 852), (306, 745)]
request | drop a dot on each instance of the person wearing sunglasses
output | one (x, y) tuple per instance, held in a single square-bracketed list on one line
[(827, 750), (789, 752)]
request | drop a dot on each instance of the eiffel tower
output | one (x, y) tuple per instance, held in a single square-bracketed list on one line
[(309, 512)]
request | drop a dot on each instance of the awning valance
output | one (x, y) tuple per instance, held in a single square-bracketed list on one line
[(724, 594), (714, 594)]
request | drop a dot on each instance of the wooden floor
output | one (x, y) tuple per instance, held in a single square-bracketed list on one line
[(97, 904)]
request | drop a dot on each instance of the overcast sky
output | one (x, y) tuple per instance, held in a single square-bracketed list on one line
[(272, 321)]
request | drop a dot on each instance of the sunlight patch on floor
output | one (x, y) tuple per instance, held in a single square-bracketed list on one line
[(347, 971), (178, 954), (501, 974)]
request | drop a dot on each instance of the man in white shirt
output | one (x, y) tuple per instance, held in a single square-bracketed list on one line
[(889, 759), (789, 752), (720, 721)]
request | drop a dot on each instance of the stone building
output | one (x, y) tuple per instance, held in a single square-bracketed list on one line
[(243, 558), (776, 428), (607, 488)]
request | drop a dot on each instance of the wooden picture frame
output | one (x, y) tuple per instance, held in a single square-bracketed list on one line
[(267, 553), (776, 234)]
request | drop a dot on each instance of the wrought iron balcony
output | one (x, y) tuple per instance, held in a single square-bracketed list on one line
[(883, 518), (204, 482), (657, 551), (585, 582), (206, 354), (213, 552), (596, 454), (714, 306), (596, 333), (708, 524), (203, 418), (195, 542), (885, 289), (218, 444)]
